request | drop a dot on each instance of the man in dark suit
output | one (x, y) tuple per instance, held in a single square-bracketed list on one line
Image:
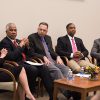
[(20, 51), (42, 46), (95, 52), (73, 48)]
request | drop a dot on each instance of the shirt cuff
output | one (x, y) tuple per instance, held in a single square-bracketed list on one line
[(58, 56), (82, 54), (71, 56)]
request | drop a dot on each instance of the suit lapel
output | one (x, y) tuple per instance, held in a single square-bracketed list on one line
[(18, 41), (77, 43), (39, 41), (68, 43), (10, 42), (46, 40)]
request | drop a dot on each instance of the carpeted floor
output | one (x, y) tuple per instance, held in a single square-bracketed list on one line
[(8, 96)]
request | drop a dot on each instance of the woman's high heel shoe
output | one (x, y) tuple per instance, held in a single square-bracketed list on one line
[(27, 98)]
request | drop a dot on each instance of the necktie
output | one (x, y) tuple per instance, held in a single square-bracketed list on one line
[(15, 43), (46, 49), (74, 48), (23, 54)]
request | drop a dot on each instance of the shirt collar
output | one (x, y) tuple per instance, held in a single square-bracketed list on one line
[(70, 37), (11, 39)]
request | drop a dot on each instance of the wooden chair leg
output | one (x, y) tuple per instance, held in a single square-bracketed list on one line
[(15, 91), (94, 92), (42, 89)]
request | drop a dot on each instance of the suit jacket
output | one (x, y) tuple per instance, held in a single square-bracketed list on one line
[(95, 52), (14, 53), (36, 44), (64, 47), (1, 62)]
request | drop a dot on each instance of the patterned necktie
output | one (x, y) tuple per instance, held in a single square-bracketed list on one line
[(23, 54), (46, 49), (74, 48), (15, 43)]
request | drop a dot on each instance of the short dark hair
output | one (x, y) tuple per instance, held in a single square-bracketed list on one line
[(68, 25), (44, 23)]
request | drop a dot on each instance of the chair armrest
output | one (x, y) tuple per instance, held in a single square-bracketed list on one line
[(38, 59), (9, 73), (65, 59), (33, 60), (89, 59), (13, 79), (11, 63), (93, 60)]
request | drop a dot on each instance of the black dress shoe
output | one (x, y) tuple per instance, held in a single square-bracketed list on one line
[(71, 98), (27, 98), (67, 94), (76, 95)]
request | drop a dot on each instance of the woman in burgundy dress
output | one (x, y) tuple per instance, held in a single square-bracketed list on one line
[(20, 75)]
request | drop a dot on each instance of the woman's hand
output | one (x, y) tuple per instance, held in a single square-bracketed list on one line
[(3, 53)]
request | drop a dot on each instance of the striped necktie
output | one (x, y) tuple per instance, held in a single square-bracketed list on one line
[(46, 49)]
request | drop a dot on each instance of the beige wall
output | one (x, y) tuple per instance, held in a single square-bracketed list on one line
[(28, 13)]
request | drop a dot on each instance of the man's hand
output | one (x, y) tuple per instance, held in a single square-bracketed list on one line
[(24, 42), (59, 60), (77, 54), (3, 53), (46, 60), (27, 43)]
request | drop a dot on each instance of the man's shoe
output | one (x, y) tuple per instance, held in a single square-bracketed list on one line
[(67, 94), (76, 95), (71, 98), (60, 96)]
